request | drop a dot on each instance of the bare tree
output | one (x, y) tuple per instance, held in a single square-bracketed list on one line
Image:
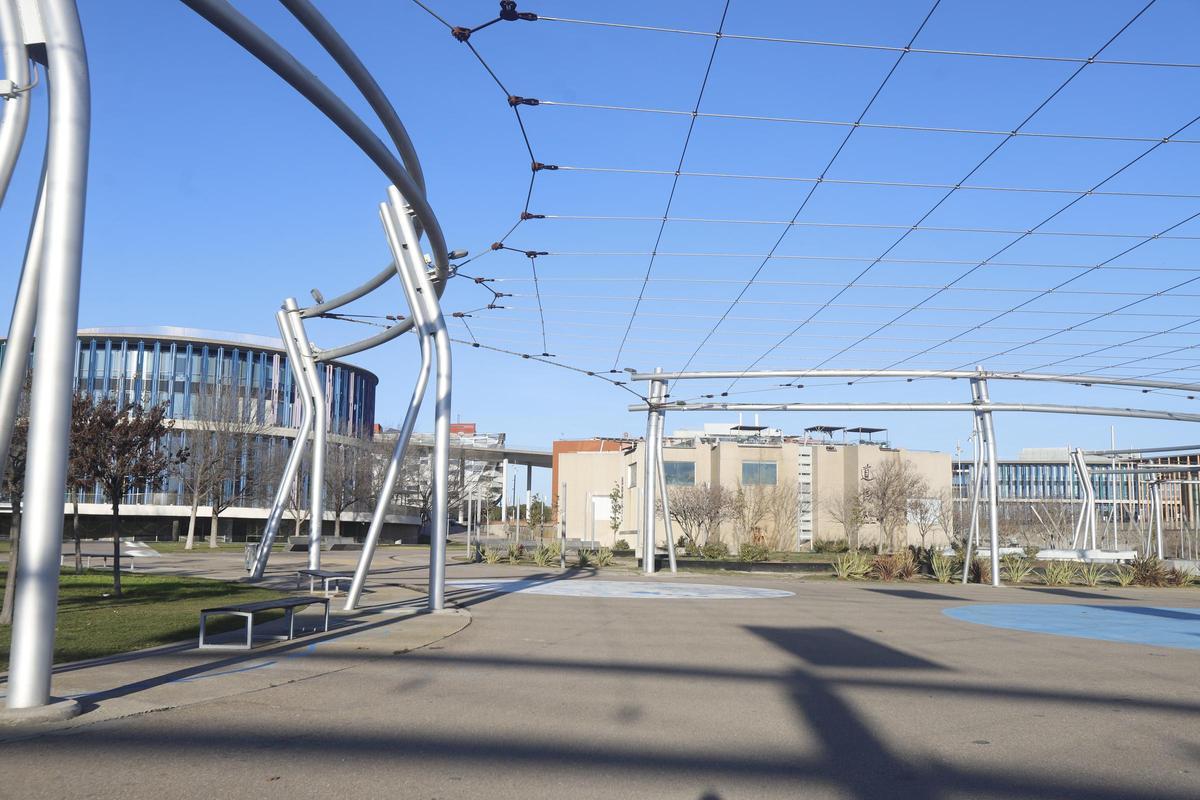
[(124, 450), (784, 511), (924, 512), (350, 479), (947, 517), (616, 507), (896, 482), (849, 511), (751, 506), (699, 510), (220, 454), (79, 479)]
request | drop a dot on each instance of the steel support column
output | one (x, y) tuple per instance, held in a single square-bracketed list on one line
[(993, 483), (291, 467), (662, 477), (405, 268), (15, 67), (315, 394), (36, 596), (442, 395), (977, 487), (649, 477)]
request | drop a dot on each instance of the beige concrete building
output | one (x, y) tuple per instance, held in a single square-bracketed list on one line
[(788, 485)]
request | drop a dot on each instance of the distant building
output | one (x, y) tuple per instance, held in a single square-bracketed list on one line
[(810, 472)]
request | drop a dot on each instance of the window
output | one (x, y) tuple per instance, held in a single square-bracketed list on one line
[(680, 473), (758, 473), (631, 475)]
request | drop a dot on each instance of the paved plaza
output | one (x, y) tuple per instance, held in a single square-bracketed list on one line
[(811, 688)]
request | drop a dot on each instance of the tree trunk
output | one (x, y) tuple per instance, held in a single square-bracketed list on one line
[(75, 532), (337, 526), (213, 527), (116, 520), (191, 534), (10, 577), (297, 525)]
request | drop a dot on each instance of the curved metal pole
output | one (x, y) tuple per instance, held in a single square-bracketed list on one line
[(977, 486), (233, 24), (441, 430), (334, 353), (320, 427), (989, 429), (405, 270), (21, 326), (292, 465), (383, 277), (54, 363), (328, 37), (662, 478), (15, 120)]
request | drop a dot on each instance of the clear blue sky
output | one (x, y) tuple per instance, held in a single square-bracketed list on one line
[(216, 191)]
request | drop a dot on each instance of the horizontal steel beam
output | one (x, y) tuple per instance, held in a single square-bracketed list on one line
[(1083, 380), (1129, 451), (1042, 408)]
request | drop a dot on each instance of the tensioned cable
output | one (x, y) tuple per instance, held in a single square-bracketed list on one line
[(547, 360), (1047, 220), (978, 166), (833, 284), (862, 225), (882, 47), (1120, 310), (812, 189), (687, 139), (894, 126), (534, 166), (888, 184), (867, 259)]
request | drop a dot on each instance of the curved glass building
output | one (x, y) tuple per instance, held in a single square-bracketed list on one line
[(185, 368)]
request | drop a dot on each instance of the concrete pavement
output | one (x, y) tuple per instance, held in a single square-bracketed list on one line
[(841, 690)]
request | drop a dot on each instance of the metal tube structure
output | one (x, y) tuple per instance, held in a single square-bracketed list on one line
[(977, 487), (405, 269), (36, 597), (1130, 451), (649, 476), (21, 326), (1082, 380), (292, 465), (504, 495), (993, 482), (442, 396), (666, 506), (1156, 498), (320, 427), (15, 120), (1033, 408)]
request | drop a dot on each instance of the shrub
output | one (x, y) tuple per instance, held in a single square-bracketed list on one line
[(542, 556), (1091, 573), (1031, 550), (1180, 577), (555, 550), (1123, 574), (1058, 573), (851, 566), (714, 550), (515, 553), (922, 558), (622, 546), (604, 557), (906, 565), (583, 558), (981, 571), (1148, 571), (885, 568), (943, 567), (754, 552), (1015, 568), (491, 555), (831, 546)]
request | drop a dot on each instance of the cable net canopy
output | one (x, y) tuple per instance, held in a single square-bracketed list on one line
[(902, 185)]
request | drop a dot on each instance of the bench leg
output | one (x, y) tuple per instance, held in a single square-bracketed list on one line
[(203, 620), (327, 616), (291, 621)]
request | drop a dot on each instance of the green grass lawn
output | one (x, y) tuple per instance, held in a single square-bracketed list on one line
[(156, 609)]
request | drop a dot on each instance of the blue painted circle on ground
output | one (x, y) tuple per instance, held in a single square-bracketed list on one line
[(1149, 625), (620, 589)]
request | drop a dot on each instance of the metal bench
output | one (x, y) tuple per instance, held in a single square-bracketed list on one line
[(247, 610), (326, 577)]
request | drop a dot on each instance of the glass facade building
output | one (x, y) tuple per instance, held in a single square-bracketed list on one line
[(177, 366)]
